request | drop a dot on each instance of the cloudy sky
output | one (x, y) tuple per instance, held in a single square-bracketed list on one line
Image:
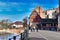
[(16, 10)]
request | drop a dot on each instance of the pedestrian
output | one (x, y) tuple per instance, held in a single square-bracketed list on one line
[(34, 28), (31, 29), (56, 27), (50, 27), (37, 28)]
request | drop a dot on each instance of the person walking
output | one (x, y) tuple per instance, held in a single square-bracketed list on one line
[(37, 28), (31, 29), (34, 28)]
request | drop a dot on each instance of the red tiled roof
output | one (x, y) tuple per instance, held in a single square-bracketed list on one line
[(18, 23)]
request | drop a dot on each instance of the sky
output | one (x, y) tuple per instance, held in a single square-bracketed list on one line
[(16, 10)]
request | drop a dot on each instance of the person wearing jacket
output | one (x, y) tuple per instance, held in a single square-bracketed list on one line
[(36, 28)]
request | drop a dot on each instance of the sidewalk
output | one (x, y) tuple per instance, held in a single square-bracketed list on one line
[(35, 36)]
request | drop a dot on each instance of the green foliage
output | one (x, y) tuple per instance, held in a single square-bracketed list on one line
[(24, 22)]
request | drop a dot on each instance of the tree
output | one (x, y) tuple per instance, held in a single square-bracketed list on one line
[(25, 22), (5, 23)]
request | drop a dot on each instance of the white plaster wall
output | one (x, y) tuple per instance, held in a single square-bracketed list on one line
[(51, 13), (17, 25)]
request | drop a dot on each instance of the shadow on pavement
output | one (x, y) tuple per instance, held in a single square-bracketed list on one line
[(33, 38)]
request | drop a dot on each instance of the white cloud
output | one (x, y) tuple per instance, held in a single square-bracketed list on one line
[(1, 10), (31, 9), (3, 4), (22, 3), (3, 17), (13, 3), (57, 5), (8, 6), (16, 4), (34, 4), (19, 10), (8, 10)]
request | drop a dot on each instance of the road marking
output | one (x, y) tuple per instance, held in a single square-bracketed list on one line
[(43, 36)]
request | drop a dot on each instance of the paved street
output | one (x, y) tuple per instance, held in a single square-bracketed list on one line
[(44, 35)]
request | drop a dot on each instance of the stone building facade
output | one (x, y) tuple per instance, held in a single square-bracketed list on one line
[(44, 19)]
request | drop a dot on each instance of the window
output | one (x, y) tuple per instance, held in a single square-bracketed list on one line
[(14, 26)]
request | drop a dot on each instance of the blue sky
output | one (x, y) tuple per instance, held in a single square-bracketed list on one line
[(16, 10)]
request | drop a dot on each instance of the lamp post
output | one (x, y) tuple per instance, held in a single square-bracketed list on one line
[(58, 29)]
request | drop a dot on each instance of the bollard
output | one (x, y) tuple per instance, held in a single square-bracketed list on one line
[(14, 38)]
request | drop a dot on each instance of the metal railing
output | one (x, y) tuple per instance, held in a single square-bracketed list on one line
[(23, 36)]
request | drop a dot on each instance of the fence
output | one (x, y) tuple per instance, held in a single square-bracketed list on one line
[(23, 36)]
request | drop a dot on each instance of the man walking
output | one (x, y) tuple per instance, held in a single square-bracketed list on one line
[(36, 28)]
